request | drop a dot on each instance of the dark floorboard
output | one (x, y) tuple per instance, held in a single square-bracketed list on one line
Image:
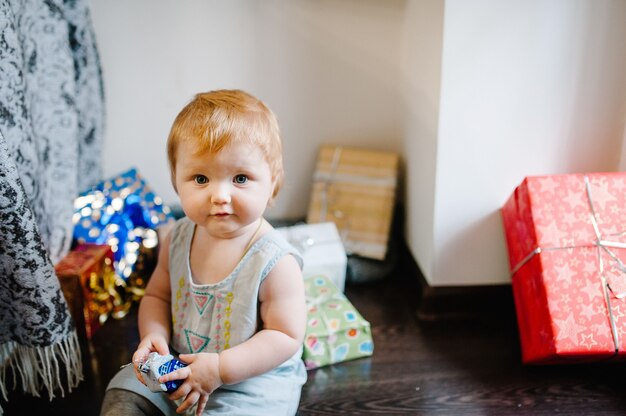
[(450, 367)]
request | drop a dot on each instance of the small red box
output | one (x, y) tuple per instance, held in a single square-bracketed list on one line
[(80, 272), (566, 247)]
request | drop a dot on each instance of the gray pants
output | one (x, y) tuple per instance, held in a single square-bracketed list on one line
[(118, 402)]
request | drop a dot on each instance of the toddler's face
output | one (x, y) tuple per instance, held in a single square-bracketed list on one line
[(225, 191)]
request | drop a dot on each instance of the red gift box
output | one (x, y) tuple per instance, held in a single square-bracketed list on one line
[(566, 247), (83, 274)]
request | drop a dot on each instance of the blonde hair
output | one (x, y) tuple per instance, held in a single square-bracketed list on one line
[(212, 120)]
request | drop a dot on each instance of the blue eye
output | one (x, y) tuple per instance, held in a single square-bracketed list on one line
[(240, 179), (201, 179)]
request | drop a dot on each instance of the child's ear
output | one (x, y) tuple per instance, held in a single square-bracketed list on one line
[(173, 180), (270, 202)]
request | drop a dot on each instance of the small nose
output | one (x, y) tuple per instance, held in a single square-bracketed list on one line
[(220, 193)]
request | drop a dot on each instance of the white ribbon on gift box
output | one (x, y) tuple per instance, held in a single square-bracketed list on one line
[(601, 244), (305, 241)]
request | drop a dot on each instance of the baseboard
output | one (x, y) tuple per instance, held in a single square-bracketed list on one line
[(465, 303), (439, 303)]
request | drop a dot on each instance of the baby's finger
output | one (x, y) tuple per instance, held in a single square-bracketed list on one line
[(189, 401), (179, 374), (182, 391), (140, 355), (161, 346), (204, 398), (187, 358)]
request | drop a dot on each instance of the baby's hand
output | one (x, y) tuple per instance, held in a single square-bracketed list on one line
[(202, 377), (150, 343)]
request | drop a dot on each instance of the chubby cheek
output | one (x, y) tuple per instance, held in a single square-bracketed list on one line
[(252, 206), (192, 205)]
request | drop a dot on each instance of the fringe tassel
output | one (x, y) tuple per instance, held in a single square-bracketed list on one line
[(40, 368)]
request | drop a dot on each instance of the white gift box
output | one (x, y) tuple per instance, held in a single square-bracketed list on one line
[(322, 249)]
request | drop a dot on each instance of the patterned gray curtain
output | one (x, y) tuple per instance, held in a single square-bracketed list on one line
[(51, 128)]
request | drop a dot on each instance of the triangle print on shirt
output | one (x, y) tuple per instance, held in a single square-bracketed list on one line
[(201, 300), (196, 342)]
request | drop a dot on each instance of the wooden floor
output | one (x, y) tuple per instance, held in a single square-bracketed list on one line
[(441, 367)]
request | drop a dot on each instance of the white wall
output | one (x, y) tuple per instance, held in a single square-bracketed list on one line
[(329, 69), (476, 94), (622, 164), (423, 43), (528, 87), (155, 55)]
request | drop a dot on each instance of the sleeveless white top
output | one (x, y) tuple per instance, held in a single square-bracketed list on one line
[(215, 317)]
